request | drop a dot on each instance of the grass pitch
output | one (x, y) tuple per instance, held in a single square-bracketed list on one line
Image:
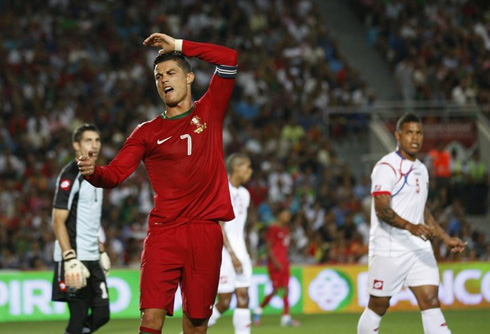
[(467, 321)]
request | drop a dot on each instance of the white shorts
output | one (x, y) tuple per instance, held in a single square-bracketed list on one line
[(387, 275), (229, 280)]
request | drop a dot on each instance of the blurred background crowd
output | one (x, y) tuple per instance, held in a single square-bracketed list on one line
[(64, 63)]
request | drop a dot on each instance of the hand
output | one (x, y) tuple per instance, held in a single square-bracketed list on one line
[(76, 273), (164, 42), (422, 231), (105, 263), (277, 265), (456, 245), (86, 164), (236, 263)]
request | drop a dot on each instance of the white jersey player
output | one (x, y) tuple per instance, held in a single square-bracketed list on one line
[(236, 266), (400, 252)]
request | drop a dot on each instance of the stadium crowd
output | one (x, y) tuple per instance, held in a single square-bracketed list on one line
[(71, 62), (439, 50)]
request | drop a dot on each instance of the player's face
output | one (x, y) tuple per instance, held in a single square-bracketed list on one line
[(244, 171), (90, 142), (284, 217), (173, 84), (410, 139)]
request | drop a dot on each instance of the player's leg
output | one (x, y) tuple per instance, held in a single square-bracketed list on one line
[(257, 312), (241, 315), (386, 278), (194, 325), (221, 306), (286, 320), (152, 320), (423, 280), (78, 315), (371, 317), (432, 318), (200, 275), (226, 288), (99, 298), (164, 254)]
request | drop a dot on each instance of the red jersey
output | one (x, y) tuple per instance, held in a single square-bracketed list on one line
[(278, 237), (183, 155)]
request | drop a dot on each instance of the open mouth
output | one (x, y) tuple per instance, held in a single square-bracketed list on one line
[(168, 90)]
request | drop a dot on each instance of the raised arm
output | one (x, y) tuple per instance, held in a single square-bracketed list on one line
[(388, 215), (456, 245)]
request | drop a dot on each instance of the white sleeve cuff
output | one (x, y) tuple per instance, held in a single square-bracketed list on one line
[(178, 45)]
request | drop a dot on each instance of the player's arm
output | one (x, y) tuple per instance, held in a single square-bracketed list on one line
[(123, 165), (59, 218), (382, 206), (76, 274), (271, 256), (226, 243), (225, 59), (456, 245)]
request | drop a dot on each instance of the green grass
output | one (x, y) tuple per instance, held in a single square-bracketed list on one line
[(467, 322)]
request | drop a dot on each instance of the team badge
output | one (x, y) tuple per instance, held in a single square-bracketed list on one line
[(196, 120), (377, 188), (63, 286), (378, 285), (65, 184)]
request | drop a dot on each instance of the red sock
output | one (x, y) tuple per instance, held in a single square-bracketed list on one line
[(146, 330), (266, 300), (286, 304)]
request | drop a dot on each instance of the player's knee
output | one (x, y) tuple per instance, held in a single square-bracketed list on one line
[(152, 318), (242, 300), (379, 305), (432, 301)]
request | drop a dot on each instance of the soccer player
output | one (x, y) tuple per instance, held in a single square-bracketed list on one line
[(81, 263), (400, 251), (182, 150), (236, 266), (277, 241)]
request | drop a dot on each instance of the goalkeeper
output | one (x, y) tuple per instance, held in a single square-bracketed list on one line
[(81, 264)]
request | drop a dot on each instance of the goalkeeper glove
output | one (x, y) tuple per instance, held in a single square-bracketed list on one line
[(105, 263), (76, 273)]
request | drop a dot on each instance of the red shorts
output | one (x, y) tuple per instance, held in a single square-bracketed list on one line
[(189, 254), (279, 278)]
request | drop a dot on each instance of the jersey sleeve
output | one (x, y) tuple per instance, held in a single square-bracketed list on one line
[(123, 165), (65, 185), (223, 79), (383, 179)]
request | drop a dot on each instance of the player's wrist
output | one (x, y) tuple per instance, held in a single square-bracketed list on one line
[(178, 45), (69, 254)]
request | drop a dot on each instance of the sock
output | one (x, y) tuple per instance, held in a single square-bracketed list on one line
[(242, 321), (146, 330), (369, 322), (286, 304), (214, 316), (434, 322), (266, 301)]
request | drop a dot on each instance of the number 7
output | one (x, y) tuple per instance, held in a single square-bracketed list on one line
[(189, 143)]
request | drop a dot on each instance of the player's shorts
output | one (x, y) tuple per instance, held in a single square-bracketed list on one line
[(279, 278), (229, 280), (387, 275), (189, 254), (95, 292)]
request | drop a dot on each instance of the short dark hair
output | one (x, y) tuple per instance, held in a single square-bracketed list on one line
[(181, 60), (235, 160), (407, 118), (78, 132)]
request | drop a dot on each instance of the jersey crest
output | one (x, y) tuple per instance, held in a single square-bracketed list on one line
[(197, 122), (65, 184)]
